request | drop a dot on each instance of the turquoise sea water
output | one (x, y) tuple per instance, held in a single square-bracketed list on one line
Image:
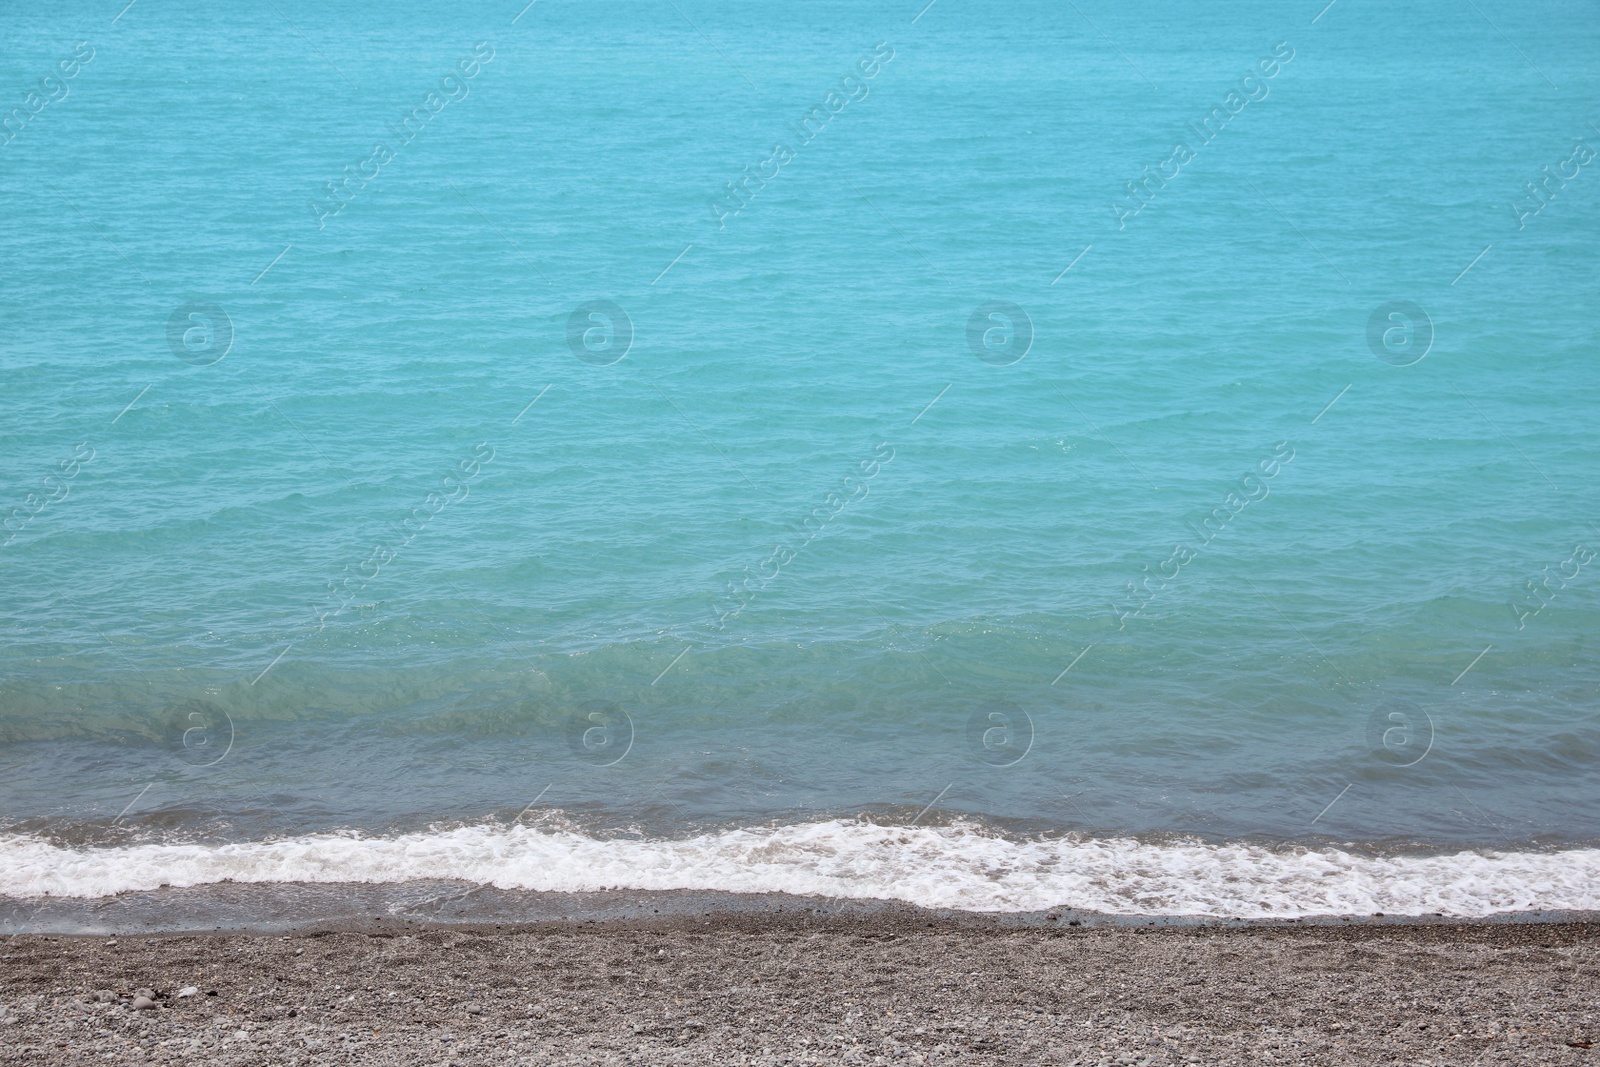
[(1173, 425)]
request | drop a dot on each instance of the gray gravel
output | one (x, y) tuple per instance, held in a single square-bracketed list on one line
[(895, 988)]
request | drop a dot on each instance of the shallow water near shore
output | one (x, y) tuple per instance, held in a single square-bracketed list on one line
[(937, 521)]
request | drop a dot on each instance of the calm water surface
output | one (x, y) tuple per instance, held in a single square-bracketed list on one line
[(605, 430)]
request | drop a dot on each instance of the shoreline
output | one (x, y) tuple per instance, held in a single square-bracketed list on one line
[(262, 909), (504, 873), (888, 984)]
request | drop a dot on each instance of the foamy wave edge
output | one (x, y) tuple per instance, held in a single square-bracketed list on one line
[(962, 866)]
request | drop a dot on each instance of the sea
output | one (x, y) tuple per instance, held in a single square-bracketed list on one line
[(996, 457)]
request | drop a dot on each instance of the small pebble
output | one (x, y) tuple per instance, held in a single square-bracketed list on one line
[(142, 1003), (188, 991), (474, 1009)]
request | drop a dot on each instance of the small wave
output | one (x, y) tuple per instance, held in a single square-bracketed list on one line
[(962, 866)]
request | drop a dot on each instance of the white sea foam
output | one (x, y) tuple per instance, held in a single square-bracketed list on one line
[(961, 866)]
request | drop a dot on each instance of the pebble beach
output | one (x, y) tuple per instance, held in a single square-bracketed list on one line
[(899, 986)]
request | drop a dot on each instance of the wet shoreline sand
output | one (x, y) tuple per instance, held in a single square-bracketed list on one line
[(710, 979)]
